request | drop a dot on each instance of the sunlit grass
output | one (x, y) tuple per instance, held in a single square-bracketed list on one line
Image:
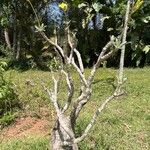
[(123, 125), (28, 143)]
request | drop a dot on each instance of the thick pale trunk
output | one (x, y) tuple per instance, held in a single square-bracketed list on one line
[(6, 34), (58, 137)]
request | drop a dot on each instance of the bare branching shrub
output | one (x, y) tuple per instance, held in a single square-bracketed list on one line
[(64, 136)]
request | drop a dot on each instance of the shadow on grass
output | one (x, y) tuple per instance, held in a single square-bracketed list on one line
[(107, 81)]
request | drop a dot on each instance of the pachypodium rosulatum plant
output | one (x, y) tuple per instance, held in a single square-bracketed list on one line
[(63, 135)]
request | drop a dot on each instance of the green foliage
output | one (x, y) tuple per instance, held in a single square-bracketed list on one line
[(8, 96), (6, 52), (5, 14), (4, 21), (54, 64), (81, 12), (6, 119)]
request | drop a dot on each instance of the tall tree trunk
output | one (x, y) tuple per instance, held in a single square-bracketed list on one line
[(15, 29), (19, 45), (14, 39), (7, 39)]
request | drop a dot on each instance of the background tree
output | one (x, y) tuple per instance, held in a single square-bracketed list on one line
[(91, 21)]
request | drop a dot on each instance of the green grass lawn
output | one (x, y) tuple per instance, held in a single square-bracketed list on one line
[(28, 143), (123, 125)]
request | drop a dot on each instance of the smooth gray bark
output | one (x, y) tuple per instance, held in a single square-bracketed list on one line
[(7, 39), (59, 135), (121, 78)]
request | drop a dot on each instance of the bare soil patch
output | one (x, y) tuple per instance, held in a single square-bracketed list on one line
[(26, 127)]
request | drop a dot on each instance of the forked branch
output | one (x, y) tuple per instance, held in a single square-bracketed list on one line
[(86, 92), (79, 60), (117, 92), (60, 50)]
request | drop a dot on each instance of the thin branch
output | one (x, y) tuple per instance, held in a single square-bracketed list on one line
[(70, 44), (79, 69), (106, 47), (69, 39), (79, 103), (70, 57), (79, 60), (93, 71), (116, 93), (62, 119), (53, 94), (102, 57), (55, 35), (70, 90), (54, 44), (55, 87), (120, 76), (109, 54), (94, 118), (82, 77), (53, 99)]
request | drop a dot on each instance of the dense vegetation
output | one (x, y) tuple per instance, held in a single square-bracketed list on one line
[(91, 21), (8, 98)]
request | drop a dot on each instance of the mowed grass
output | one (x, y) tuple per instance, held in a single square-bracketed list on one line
[(28, 143), (123, 125)]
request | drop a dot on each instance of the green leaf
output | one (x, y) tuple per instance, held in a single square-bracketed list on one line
[(2, 69), (1, 95), (146, 19), (107, 17), (3, 64), (110, 29), (146, 49), (82, 5), (4, 21), (97, 6), (40, 28)]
